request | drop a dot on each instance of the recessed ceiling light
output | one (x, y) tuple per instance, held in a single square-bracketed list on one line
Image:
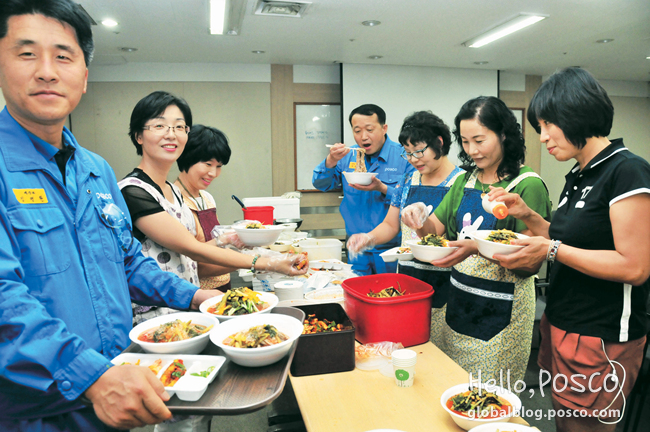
[(481, 63), (109, 22), (371, 23), (128, 49), (375, 57), (258, 52), (604, 40), (647, 58)]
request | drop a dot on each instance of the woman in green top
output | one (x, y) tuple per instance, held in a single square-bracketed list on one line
[(488, 322)]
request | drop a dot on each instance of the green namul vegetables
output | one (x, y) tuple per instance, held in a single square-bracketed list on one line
[(503, 236), (433, 240)]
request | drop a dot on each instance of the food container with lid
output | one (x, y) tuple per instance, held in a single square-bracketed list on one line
[(405, 319), (329, 352)]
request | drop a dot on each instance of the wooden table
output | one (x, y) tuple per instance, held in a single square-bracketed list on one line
[(360, 401)]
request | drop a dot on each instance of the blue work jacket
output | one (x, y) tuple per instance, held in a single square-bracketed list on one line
[(65, 284), (362, 211)]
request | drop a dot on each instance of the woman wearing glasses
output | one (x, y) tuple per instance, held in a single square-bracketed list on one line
[(488, 320), (426, 140), (165, 226)]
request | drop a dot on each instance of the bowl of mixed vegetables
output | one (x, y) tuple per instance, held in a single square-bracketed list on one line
[(257, 234), (471, 407), (176, 333), (238, 302), (430, 248), (257, 340), (490, 242)]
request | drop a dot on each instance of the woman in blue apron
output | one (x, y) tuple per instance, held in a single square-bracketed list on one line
[(486, 326), (426, 140)]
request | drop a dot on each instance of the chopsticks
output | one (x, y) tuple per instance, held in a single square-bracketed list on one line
[(351, 148)]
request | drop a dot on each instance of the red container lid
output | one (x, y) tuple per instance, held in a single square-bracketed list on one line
[(359, 288)]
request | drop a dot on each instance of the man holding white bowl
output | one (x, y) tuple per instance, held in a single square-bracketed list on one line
[(365, 206)]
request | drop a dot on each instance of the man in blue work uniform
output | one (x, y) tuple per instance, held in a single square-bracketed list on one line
[(364, 207), (69, 267)]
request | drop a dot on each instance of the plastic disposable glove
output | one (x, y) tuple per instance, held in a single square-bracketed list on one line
[(289, 264), (414, 215), (359, 243), (230, 238)]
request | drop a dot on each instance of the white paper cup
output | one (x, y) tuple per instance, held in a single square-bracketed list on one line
[(288, 290), (404, 361)]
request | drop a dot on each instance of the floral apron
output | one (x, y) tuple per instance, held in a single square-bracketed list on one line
[(486, 326), (168, 260)]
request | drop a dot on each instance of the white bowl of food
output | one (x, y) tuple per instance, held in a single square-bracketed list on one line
[(500, 406), (281, 245), (239, 302), (359, 178), (288, 326), (503, 427), (488, 248), (428, 253), (160, 335), (263, 235)]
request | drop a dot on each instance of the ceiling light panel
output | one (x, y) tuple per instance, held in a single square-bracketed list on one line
[(515, 24), (293, 9)]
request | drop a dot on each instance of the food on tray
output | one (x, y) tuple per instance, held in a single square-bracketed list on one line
[(314, 325), (155, 366), (255, 225), (433, 240), (173, 373), (361, 161), (301, 263), (256, 337), (238, 301), (477, 404), (128, 363), (387, 292), (204, 373), (403, 250), (173, 331), (503, 236)]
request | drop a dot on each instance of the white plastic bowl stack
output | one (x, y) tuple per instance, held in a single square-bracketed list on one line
[(489, 248), (267, 297), (468, 423), (189, 346), (428, 253), (263, 356), (359, 178)]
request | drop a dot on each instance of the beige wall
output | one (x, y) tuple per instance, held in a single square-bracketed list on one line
[(241, 110), (631, 123)]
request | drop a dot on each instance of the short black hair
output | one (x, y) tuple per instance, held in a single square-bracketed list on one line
[(151, 106), (204, 143), (494, 114), (368, 110), (426, 127), (575, 102), (64, 11)]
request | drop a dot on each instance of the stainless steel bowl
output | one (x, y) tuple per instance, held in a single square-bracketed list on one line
[(298, 222)]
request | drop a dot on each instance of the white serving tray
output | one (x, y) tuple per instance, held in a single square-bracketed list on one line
[(329, 264), (188, 387), (392, 255)]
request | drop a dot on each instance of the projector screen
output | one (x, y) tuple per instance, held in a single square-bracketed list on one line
[(402, 90)]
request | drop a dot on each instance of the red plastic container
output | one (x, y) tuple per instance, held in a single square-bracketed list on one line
[(263, 214), (405, 319)]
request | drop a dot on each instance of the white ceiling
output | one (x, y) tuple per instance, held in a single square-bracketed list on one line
[(413, 32)]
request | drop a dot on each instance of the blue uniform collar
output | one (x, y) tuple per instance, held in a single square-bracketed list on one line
[(384, 152), (24, 151)]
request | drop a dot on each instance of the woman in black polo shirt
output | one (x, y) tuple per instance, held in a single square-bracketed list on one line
[(595, 323)]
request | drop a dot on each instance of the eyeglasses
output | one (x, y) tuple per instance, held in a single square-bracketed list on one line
[(418, 154), (162, 129), (115, 219)]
